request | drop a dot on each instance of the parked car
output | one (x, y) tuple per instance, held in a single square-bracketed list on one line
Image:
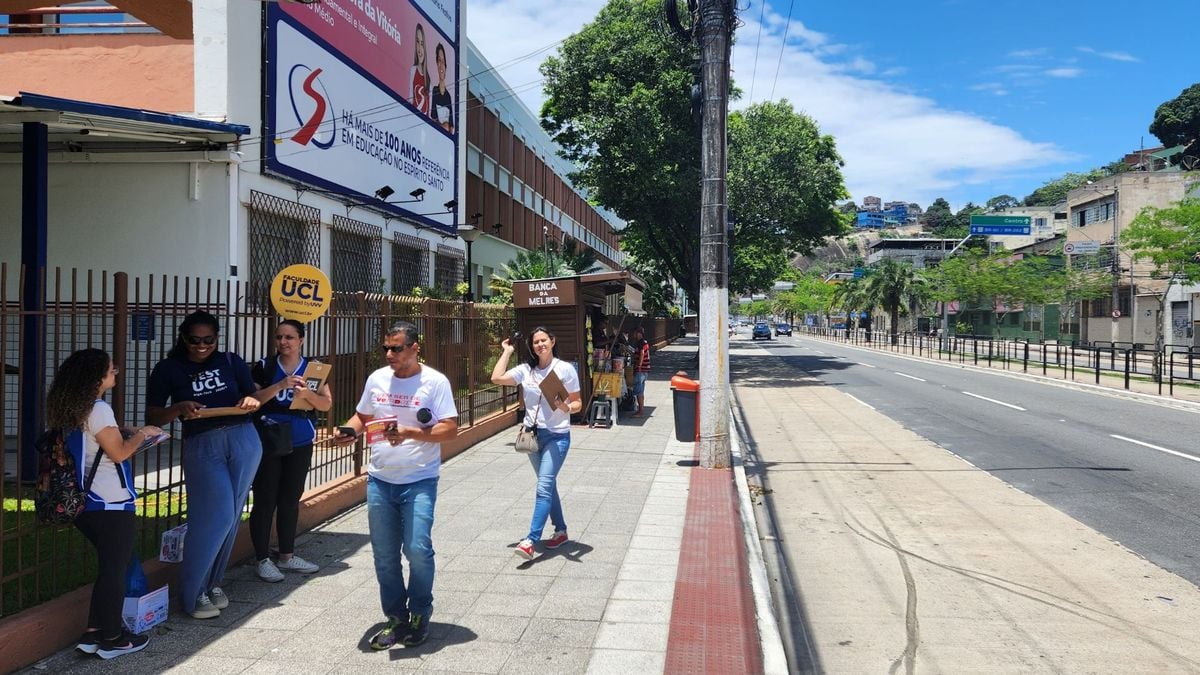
[(783, 329), (761, 330)]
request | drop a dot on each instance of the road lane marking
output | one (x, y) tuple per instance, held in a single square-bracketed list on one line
[(992, 400), (860, 401), (1156, 447), (911, 377), (865, 364)]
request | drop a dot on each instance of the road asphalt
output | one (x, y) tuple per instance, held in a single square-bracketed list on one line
[(890, 552)]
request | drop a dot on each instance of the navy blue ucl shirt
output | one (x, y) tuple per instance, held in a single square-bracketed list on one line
[(222, 380)]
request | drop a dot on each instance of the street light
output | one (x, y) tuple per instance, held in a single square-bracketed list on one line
[(469, 233)]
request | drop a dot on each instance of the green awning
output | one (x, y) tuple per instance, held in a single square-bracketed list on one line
[(1168, 152)]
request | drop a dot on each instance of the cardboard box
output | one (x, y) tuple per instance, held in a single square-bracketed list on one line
[(142, 614), (172, 544)]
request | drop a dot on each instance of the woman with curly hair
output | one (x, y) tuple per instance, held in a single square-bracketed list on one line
[(220, 453), (76, 405)]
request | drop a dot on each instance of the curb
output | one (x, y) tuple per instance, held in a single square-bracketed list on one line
[(773, 655)]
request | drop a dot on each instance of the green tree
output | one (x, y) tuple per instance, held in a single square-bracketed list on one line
[(852, 297), (580, 260), (939, 216), (619, 105), (1002, 202), (784, 177), (1177, 122), (894, 285), (1067, 286), (533, 264), (1169, 238), (659, 296)]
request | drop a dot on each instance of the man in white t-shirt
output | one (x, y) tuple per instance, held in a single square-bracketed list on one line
[(406, 410)]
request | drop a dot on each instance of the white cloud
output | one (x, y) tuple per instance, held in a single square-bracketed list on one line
[(1029, 53), (990, 87), (1114, 56), (1064, 72), (896, 144)]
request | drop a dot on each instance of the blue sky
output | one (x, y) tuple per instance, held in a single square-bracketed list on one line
[(962, 99)]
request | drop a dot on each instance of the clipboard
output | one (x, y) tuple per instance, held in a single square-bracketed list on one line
[(221, 412), (315, 374), (553, 390)]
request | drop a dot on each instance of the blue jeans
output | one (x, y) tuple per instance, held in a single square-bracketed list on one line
[(218, 466), (547, 462), (400, 518)]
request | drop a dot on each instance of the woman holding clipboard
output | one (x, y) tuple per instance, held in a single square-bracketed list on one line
[(280, 480), (210, 391), (551, 420)]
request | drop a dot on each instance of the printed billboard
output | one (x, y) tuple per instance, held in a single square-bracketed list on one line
[(360, 95)]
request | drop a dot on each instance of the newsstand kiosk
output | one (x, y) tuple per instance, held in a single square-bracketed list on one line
[(562, 305)]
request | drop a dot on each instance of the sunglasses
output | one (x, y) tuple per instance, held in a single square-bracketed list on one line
[(395, 349), (197, 339)]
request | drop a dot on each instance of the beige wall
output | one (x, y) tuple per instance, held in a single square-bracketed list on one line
[(132, 70)]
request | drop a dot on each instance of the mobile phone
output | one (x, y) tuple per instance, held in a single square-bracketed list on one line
[(347, 431)]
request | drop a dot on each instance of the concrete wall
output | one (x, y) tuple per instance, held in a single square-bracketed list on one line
[(134, 213)]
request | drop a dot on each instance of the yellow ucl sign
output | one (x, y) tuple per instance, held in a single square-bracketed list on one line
[(301, 292)]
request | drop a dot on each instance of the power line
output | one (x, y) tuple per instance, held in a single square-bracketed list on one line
[(757, 43), (787, 26)]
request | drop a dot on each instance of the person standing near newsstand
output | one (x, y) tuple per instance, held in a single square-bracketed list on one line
[(406, 409)]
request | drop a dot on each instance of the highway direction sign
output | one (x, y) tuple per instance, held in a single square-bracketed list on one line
[(1002, 225)]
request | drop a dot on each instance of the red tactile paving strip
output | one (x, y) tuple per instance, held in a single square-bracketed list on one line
[(712, 618)]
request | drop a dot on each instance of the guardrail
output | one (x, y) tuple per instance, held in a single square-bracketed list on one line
[(1161, 368)]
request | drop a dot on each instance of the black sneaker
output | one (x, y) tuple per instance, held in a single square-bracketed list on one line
[(89, 642), (128, 643), (387, 636), (418, 630)]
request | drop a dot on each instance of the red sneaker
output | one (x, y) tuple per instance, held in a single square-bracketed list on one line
[(560, 537), (524, 549)]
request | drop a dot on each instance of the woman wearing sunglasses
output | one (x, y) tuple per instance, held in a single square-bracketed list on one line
[(280, 480), (220, 454)]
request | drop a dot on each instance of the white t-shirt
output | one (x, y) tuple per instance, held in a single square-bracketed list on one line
[(386, 395), (549, 418), (113, 484)]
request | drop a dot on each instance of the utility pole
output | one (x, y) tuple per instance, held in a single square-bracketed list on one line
[(714, 29)]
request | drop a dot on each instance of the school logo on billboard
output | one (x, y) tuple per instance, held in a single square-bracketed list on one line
[(315, 118)]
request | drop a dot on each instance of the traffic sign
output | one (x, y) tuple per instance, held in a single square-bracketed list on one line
[(1001, 225), (859, 272), (1081, 247)]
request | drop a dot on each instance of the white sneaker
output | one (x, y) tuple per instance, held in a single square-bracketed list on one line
[(219, 599), (267, 571), (205, 609), (297, 564)]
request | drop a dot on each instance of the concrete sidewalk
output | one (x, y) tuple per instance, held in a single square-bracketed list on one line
[(897, 554), (603, 603)]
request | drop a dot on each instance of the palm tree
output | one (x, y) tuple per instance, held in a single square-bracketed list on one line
[(527, 265), (580, 260), (851, 296), (892, 285)]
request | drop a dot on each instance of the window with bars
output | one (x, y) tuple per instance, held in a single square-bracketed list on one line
[(448, 269), (410, 263), (357, 255), (281, 233)]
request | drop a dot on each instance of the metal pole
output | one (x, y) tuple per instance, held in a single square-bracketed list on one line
[(715, 25)]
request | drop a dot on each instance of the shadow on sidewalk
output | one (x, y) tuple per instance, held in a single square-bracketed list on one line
[(441, 635)]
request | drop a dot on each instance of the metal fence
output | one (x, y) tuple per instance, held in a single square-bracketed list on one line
[(1159, 369), (135, 320)]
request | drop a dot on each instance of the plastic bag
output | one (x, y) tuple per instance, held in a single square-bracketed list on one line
[(136, 584)]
